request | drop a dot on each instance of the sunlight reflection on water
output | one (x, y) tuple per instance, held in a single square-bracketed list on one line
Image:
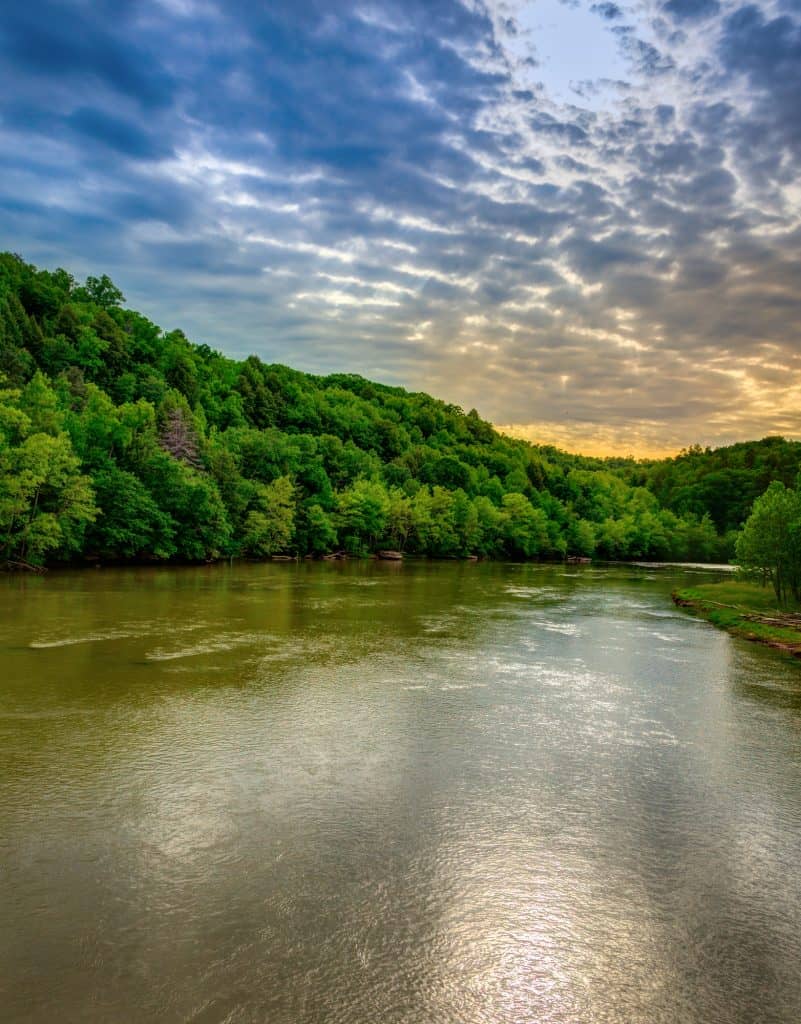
[(487, 794)]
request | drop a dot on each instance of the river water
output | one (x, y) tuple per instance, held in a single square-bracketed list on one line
[(356, 793)]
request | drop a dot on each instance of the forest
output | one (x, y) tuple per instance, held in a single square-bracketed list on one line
[(120, 441)]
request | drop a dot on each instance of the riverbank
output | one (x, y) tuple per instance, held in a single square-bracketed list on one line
[(745, 610)]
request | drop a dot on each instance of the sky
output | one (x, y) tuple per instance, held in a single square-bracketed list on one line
[(581, 218)]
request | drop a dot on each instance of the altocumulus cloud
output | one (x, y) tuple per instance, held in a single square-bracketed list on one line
[(398, 188)]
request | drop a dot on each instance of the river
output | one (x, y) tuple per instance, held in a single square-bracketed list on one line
[(405, 794)]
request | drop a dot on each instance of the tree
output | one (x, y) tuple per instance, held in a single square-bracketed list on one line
[(129, 523), (581, 538), (258, 402), (103, 292), (525, 529), (40, 402), (489, 522), (770, 543), (45, 502), (362, 512), (321, 534), (269, 525), (200, 522), (178, 435), (15, 362), (443, 538), (183, 446), (400, 519)]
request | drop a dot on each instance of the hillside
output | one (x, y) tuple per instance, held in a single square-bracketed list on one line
[(120, 441)]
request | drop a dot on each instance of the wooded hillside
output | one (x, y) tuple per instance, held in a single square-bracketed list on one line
[(120, 441)]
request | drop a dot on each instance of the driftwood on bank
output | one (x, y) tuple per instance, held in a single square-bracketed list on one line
[(782, 619), (788, 619), (17, 565)]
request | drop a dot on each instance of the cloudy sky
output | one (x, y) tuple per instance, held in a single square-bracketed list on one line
[(582, 218)]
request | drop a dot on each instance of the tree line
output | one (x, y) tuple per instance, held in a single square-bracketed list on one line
[(123, 442)]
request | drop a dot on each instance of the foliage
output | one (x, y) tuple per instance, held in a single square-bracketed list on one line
[(130, 523), (121, 441), (45, 502), (722, 483), (770, 543), (269, 524)]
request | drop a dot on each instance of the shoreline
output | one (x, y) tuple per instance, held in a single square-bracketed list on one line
[(750, 620), (384, 556)]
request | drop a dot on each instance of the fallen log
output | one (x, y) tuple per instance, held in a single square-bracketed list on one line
[(17, 565)]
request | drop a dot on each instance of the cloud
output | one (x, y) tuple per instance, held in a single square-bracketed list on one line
[(607, 10), (765, 53), (387, 187), (691, 10), (77, 44)]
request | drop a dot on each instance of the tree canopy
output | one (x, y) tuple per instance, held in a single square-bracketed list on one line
[(122, 441), (770, 543)]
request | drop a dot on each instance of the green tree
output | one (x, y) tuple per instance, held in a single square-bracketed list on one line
[(181, 441), (103, 292), (770, 543), (362, 511), (321, 534), (581, 538), (129, 523), (444, 540), (525, 528), (45, 502), (489, 527), (400, 519), (269, 525), (200, 523)]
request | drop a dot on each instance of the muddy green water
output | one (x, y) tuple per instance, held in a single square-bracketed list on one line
[(345, 794)]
